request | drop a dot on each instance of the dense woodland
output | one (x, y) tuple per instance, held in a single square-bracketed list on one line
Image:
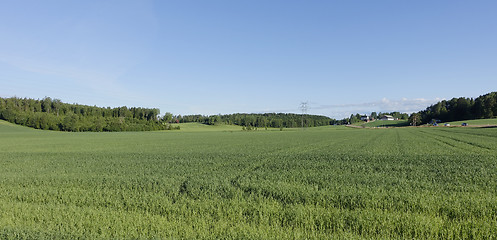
[(458, 109), (274, 120), (52, 114)]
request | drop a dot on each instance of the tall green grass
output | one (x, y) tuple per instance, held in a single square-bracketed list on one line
[(386, 123), (329, 182)]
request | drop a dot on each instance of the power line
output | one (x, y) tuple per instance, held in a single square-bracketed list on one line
[(304, 106)]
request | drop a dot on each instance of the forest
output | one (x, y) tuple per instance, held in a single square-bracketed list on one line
[(457, 109), (261, 120), (53, 114)]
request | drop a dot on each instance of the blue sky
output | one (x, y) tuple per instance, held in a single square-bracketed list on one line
[(210, 57)]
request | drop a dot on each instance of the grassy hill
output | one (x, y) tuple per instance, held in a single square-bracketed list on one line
[(6, 127), (199, 127), (477, 122), (384, 123)]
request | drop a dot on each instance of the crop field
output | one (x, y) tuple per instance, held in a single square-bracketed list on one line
[(386, 123), (318, 183), (196, 127), (477, 122)]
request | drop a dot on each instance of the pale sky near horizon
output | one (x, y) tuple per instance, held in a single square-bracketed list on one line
[(210, 57)]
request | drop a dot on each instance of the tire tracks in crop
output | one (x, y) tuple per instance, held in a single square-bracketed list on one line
[(441, 141), (400, 144), (261, 162), (268, 158), (464, 141), (474, 134), (459, 147), (367, 144), (468, 133)]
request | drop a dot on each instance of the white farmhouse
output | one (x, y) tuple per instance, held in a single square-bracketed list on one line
[(387, 117)]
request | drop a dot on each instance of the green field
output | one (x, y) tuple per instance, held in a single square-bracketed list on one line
[(218, 182), (197, 127), (384, 123), (477, 122)]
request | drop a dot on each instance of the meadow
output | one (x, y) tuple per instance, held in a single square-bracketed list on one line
[(385, 123), (210, 182), (477, 122)]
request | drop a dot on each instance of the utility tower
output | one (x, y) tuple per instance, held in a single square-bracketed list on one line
[(303, 107)]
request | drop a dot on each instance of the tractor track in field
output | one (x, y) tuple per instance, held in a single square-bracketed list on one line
[(270, 157), (466, 142), (235, 181), (440, 139), (468, 133), (443, 139)]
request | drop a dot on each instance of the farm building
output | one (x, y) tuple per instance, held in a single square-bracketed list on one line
[(387, 117), (365, 118)]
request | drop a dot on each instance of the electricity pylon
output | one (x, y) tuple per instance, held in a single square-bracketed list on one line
[(303, 107)]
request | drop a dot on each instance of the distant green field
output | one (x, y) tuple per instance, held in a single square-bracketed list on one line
[(492, 121), (316, 183), (198, 127), (386, 123)]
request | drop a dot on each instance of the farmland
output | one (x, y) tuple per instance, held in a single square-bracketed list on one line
[(382, 123), (477, 122), (199, 183)]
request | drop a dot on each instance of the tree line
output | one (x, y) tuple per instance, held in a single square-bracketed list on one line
[(273, 120), (53, 114), (457, 109), (354, 118)]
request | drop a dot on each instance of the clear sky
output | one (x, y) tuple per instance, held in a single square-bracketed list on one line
[(210, 57)]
